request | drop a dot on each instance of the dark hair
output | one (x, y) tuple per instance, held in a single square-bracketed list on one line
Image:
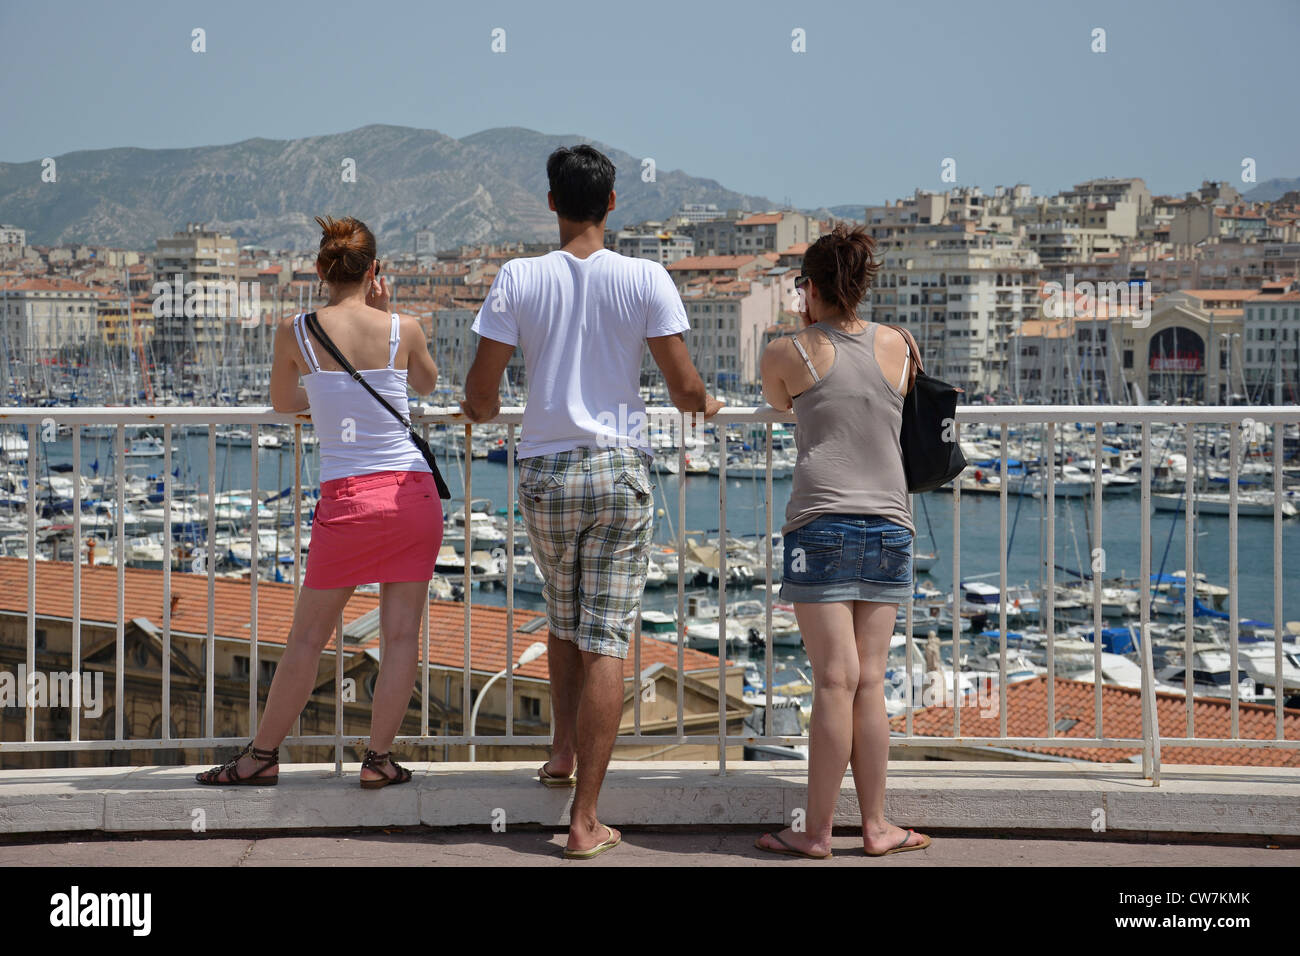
[(842, 265), (347, 248), (581, 180)]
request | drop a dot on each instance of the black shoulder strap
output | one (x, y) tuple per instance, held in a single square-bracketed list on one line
[(314, 327)]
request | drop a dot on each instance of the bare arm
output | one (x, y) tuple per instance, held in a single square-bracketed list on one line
[(482, 399), (772, 368), (287, 394), (685, 387), (421, 369)]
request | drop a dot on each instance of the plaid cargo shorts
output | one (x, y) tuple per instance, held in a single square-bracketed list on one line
[(589, 513)]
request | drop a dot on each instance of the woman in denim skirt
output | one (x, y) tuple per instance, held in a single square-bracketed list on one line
[(848, 532)]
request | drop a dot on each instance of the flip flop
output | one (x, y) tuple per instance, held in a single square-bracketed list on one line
[(789, 850), (596, 850), (552, 780), (903, 849)]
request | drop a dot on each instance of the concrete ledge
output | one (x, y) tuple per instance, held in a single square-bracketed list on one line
[(1060, 797)]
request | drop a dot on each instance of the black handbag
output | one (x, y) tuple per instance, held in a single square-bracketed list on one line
[(931, 455), (313, 326)]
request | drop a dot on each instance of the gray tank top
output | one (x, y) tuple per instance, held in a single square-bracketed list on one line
[(850, 459)]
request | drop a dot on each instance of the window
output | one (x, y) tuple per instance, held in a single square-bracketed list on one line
[(530, 708), (1128, 358)]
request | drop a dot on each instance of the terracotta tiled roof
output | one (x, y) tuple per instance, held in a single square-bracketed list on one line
[(691, 263), (761, 219), (1121, 709), (1222, 295), (47, 285), (143, 597)]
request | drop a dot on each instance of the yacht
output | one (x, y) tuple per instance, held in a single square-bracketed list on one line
[(1211, 676)]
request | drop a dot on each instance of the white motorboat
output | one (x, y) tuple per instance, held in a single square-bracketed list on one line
[(149, 446), (1250, 504), (1211, 676)]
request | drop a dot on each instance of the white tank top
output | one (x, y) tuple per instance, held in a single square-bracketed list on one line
[(357, 435)]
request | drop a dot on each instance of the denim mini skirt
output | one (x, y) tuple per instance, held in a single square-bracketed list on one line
[(848, 558)]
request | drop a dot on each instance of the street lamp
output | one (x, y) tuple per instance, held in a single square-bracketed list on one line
[(534, 651)]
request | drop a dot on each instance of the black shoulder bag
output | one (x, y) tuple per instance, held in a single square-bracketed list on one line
[(313, 326), (931, 455)]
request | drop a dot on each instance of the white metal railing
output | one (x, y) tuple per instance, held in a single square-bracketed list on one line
[(1002, 417)]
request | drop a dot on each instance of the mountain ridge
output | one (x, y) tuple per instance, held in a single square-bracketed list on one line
[(488, 185)]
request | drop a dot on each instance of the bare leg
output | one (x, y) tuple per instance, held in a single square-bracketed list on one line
[(401, 613), (314, 620), (873, 625), (565, 663), (599, 713), (827, 630)]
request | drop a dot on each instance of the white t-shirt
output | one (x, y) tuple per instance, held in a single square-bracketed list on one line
[(582, 325)]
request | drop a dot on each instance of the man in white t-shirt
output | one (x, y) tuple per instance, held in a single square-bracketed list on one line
[(584, 316)]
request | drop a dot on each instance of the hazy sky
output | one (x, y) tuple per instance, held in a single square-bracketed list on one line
[(883, 94)]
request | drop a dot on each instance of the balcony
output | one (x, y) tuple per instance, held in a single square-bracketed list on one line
[(1038, 751)]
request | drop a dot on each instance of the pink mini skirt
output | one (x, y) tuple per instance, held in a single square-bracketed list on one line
[(374, 528)]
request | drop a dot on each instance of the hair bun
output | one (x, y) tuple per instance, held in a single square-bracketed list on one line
[(842, 265), (347, 248)]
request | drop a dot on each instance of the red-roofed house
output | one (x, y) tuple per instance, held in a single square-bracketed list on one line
[(146, 615)]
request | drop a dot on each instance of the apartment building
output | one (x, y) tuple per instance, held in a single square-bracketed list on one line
[(654, 242), (1196, 224), (925, 208), (962, 291), (124, 322), (1271, 329), (194, 326), (729, 321), (719, 267), (453, 342), (693, 212), (1110, 192), (1224, 265), (750, 233), (41, 317)]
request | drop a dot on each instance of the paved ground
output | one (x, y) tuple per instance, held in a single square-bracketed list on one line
[(530, 847)]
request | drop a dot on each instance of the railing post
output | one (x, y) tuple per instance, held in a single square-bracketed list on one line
[(119, 692), (1144, 573), (681, 574), (76, 591), (722, 598), (768, 644), (467, 579), (1002, 582), (1234, 612), (956, 600), (1279, 440), (253, 575), (510, 580), (1189, 581), (1049, 513)]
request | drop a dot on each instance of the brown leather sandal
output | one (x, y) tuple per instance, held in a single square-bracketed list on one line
[(270, 758), (374, 761)]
